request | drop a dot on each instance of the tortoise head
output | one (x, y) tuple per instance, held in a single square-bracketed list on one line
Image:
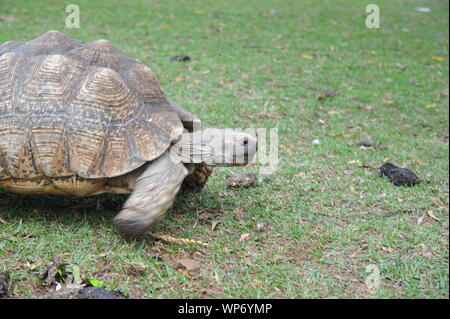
[(229, 147), (216, 147)]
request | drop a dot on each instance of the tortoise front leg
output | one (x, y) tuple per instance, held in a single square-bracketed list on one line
[(196, 180), (153, 193)]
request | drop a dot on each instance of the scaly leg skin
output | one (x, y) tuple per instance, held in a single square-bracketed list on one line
[(153, 193), (196, 180)]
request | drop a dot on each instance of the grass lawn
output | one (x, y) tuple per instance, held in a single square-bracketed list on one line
[(327, 214)]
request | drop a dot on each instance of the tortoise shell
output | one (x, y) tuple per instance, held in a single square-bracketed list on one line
[(87, 110)]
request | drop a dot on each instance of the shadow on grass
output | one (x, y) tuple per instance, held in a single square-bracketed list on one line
[(68, 211)]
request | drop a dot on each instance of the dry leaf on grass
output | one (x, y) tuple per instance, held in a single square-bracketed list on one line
[(340, 135), (432, 215), (307, 56), (33, 266), (190, 265), (387, 249), (401, 67), (388, 102), (245, 236), (438, 58), (214, 225)]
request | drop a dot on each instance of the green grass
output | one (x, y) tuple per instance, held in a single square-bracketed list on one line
[(327, 217)]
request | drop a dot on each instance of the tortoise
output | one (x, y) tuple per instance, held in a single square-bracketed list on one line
[(84, 119)]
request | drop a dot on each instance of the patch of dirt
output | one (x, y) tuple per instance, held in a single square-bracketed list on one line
[(242, 180), (209, 215), (136, 270), (211, 291), (5, 284), (423, 250), (396, 212), (300, 254), (77, 293), (97, 293), (240, 215), (424, 221), (10, 19), (60, 294), (326, 94)]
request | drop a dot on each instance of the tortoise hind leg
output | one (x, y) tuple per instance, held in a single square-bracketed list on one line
[(153, 193)]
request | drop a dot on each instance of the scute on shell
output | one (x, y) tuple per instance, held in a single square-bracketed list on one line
[(69, 108)]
